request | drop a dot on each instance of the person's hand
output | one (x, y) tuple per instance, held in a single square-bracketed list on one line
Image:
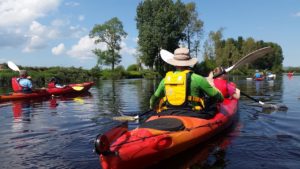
[(210, 79)]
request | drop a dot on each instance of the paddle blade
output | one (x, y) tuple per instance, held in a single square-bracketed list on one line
[(78, 88), (126, 118), (13, 66), (166, 55), (272, 107), (251, 57)]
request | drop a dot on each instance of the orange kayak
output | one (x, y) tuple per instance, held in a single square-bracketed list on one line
[(149, 144)]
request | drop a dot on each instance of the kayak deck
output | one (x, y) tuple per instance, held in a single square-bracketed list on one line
[(148, 145)]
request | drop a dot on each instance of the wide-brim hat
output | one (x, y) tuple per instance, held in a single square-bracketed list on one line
[(182, 58), (23, 73)]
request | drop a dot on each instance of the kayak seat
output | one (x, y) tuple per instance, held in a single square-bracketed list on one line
[(166, 124)]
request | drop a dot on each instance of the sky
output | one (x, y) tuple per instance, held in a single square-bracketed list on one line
[(56, 32)]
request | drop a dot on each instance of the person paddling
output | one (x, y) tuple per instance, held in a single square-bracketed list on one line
[(257, 75), (182, 92), (54, 83), (23, 83), (228, 89)]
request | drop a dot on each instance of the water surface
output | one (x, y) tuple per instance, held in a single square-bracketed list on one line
[(59, 132)]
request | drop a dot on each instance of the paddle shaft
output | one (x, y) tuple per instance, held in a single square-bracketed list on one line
[(252, 98)]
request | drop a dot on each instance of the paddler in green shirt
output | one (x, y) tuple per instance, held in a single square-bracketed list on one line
[(182, 92)]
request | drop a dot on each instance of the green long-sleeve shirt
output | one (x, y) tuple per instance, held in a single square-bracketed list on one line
[(199, 86)]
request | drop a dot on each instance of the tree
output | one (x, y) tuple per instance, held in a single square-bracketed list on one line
[(110, 33), (160, 24), (193, 30)]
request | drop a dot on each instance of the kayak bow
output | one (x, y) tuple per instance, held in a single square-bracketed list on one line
[(160, 137)]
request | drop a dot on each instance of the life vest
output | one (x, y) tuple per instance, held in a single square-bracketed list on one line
[(258, 75), (177, 89), (222, 85), (16, 85), (51, 85)]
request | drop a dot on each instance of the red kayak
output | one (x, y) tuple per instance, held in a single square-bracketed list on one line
[(19, 96), (71, 89), (259, 78), (160, 137)]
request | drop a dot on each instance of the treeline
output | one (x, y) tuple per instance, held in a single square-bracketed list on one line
[(42, 75), (226, 52), (167, 24)]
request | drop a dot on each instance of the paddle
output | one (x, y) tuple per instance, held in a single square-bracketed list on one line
[(13, 66), (132, 116), (246, 59), (265, 105), (166, 55)]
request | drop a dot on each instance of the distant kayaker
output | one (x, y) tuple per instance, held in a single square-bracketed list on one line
[(182, 91), (228, 89), (23, 83), (54, 83), (257, 74)]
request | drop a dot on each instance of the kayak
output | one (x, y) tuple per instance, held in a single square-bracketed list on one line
[(160, 137), (71, 89), (82, 87), (271, 77), (259, 78), (19, 96)]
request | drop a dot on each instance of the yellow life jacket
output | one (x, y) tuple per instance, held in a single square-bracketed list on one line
[(177, 90)]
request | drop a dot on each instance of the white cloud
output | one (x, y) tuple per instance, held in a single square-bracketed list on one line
[(37, 28), (18, 23), (81, 17), (59, 22), (83, 49), (20, 12), (35, 43), (125, 50), (59, 49), (72, 4), (297, 14)]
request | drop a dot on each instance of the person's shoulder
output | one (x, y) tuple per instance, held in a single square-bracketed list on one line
[(197, 76)]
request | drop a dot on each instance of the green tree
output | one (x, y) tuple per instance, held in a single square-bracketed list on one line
[(110, 33), (160, 24), (194, 29)]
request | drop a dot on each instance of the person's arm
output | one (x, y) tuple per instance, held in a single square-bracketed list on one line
[(159, 93), (233, 91), (208, 89)]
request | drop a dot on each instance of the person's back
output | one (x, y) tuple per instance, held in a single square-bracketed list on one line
[(54, 83), (228, 89), (183, 89), (257, 74), (22, 84)]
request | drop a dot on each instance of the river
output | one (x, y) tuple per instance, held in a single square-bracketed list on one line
[(59, 132)]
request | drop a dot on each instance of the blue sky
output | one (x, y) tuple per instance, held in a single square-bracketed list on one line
[(55, 32)]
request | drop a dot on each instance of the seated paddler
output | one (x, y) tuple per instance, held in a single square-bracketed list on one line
[(22, 84), (183, 92)]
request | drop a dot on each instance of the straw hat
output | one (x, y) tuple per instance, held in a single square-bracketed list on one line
[(182, 58), (23, 73)]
